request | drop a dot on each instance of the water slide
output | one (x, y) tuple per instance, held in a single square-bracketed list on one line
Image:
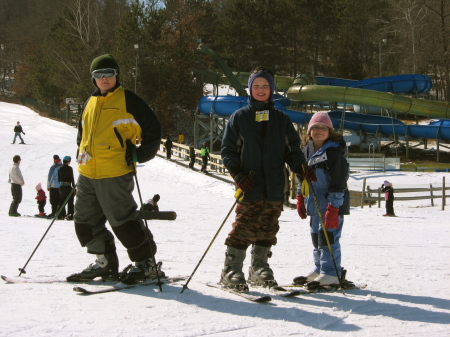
[(380, 92), (399, 84), (386, 100), (226, 105)]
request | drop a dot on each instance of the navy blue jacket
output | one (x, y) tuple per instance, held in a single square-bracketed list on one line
[(332, 172), (263, 147)]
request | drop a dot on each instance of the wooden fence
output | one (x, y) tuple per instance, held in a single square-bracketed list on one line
[(370, 196), (367, 196), (181, 151)]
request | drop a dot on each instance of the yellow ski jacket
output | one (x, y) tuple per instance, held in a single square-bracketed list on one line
[(106, 123)]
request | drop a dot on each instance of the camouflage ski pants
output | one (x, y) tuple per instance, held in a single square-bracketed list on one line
[(255, 221)]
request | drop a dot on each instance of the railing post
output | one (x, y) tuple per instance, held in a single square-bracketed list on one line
[(379, 197), (431, 194), (363, 191)]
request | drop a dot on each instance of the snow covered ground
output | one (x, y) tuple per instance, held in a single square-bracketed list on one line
[(404, 260)]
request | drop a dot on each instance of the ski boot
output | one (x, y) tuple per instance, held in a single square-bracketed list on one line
[(327, 280), (106, 266), (141, 271), (232, 276), (302, 280), (260, 273)]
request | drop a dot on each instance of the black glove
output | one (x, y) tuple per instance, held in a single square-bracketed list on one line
[(244, 181), (130, 153)]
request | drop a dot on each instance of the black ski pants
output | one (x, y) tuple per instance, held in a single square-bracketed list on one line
[(54, 199), (64, 191), (16, 191)]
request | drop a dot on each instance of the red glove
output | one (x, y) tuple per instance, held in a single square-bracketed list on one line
[(332, 217), (301, 210), (308, 173), (244, 181)]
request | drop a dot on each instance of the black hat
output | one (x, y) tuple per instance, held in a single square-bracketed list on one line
[(156, 198), (56, 157), (103, 62)]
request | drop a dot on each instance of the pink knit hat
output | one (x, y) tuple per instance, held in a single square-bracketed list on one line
[(38, 187), (320, 118)]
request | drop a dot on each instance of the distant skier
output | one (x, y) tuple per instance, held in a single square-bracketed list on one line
[(205, 156), (41, 200), (53, 185), (192, 156), (17, 131), (168, 144), (16, 181), (66, 184), (388, 190)]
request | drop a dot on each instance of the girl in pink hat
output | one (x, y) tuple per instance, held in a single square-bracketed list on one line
[(388, 190), (41, 200), (324, 149)]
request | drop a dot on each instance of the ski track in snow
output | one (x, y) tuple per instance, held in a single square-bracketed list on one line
[(404, 260)]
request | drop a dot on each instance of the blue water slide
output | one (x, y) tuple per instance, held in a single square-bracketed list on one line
[(398, 84), (226, 105)]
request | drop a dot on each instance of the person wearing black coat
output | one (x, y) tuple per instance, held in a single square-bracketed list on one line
[(66, 184), (259, 140), (17, 131), (168, 144), (388, 190), (192, 156)]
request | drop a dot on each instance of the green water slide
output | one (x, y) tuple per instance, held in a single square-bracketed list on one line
[(386, 100)]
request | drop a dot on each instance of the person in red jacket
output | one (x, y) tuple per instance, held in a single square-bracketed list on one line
[(41, 200)]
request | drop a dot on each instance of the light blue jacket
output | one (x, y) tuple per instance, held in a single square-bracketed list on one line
[(52, 180)]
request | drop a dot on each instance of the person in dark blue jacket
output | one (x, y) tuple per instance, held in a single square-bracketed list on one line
[(260, 139), (324, 148)]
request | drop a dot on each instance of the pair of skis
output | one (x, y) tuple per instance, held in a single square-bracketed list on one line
[(100, 287), (277, 290), (290, 290)]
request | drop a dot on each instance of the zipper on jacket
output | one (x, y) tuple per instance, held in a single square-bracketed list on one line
[(119, 137)]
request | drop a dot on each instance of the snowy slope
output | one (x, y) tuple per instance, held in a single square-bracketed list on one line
[(404, 260)]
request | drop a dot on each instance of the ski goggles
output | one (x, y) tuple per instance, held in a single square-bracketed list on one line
[(108, 73)]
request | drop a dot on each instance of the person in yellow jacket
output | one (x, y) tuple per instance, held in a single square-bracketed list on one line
[(112, 121), (204, 150)]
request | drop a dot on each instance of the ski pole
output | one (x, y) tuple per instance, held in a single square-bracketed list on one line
[(22, 270), (146, 226), (185, 286), (326, 235)]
